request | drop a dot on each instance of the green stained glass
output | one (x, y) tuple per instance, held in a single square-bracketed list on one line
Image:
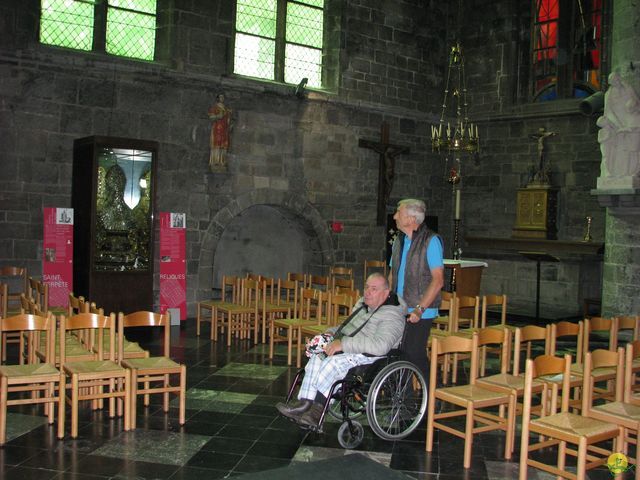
[(131, 34), (301, 62), (313, 3), (257, 17), (66, 24), (144, 6), (304, 25), (254, 56)]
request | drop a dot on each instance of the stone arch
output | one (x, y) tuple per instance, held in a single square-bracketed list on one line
[(290, 202)]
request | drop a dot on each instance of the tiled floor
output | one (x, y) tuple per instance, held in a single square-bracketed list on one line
[(232, 427)]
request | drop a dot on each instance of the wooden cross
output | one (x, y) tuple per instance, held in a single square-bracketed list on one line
[(388, 153)]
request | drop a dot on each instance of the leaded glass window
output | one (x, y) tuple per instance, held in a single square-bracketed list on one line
[(66, 24), (567, 48), (120, 27), (280, 40)]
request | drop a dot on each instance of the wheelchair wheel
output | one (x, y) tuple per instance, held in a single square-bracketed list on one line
[(350, 436), (355, 403), (397, 401)]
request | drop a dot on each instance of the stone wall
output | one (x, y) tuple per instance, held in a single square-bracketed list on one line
[(298, 155)]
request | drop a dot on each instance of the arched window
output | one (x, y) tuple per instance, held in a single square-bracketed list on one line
[(566, 48)]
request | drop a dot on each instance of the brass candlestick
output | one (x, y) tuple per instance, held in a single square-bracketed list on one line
[(587, 234)]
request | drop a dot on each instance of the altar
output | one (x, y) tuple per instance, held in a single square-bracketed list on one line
[(465, 276)]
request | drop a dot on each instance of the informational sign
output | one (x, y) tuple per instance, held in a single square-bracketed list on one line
[(57, 254), (173, 266)]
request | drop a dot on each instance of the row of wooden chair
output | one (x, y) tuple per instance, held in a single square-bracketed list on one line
[(503, 389), (248, 306), (83, 357)]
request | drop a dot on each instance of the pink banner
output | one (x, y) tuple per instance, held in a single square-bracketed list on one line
[(57, 254), (173, 283)]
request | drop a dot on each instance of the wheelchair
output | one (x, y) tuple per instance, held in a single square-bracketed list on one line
[(390, 391)]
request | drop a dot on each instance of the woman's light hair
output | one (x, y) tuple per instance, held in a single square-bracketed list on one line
[(414, 207)]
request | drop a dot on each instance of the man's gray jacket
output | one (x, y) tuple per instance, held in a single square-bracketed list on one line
[(382, 332)]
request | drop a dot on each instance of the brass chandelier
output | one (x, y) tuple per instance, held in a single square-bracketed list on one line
[(462, 136)]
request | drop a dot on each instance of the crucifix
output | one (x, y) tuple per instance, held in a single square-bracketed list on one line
[(388, 153)]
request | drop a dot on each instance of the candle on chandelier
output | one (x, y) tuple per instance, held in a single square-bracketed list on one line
[(457, 216)]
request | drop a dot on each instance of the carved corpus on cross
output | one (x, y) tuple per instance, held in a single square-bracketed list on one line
[(388, 153)]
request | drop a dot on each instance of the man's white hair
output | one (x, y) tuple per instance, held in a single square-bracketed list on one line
[(414, 207)]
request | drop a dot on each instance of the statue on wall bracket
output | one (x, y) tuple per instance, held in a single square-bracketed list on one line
[(220, 116), (619, 134)]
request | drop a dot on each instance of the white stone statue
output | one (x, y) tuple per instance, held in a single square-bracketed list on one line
[(619, 136)]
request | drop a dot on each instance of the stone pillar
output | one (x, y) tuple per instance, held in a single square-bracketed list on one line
[(618, 186)]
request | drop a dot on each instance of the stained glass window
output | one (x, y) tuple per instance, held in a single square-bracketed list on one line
[(579, 74), (280, 40), (128, 26), (67, 24)]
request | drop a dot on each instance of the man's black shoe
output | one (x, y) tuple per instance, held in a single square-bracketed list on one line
[(294, 411), (311, 417)]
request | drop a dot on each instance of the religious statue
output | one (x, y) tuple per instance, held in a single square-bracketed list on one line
[(115, 220), (619, 136), (220, 115), (540, 176)]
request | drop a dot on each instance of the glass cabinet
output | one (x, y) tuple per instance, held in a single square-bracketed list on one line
[(113, 199)]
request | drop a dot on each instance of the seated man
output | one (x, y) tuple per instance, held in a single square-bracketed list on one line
[(375, 327)]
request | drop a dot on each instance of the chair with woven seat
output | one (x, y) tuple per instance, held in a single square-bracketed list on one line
[(16, 280), (88, 379), (153, 373), (629, 327), (229, 293), (128, 348), (39, 292), (42, 380), (499, 301), (595, 328), (472, 400), (309, 312), (277, 302), (620, 411), (239, 319), (377, 265), (561, 428), (319, 282)]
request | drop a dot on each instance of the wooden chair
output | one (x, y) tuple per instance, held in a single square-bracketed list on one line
[(619, 412), (471, 400), (601, 325), (630, 323), (299, 278), (229, 291), (39, 292), (344, 272), (16, 280), (43, 380), (573, 332), (560, 429), (494, 301), (89, 378), (309, 305), (278, 301), (374, 264), (153, 373), (319, 282), (238, 318), (340, 284)]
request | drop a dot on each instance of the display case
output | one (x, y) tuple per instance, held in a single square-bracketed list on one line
[(113, 200)]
